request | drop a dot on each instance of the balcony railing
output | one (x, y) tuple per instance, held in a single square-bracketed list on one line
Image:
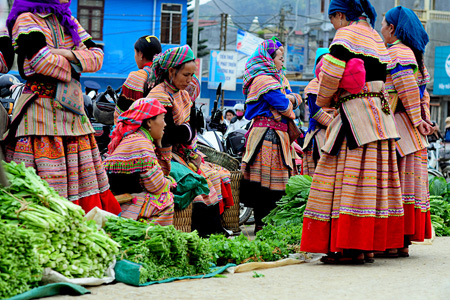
[(436, 15)]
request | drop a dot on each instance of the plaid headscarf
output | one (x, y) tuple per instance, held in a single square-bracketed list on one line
[(261, 63), (131, 120), (168, 59)]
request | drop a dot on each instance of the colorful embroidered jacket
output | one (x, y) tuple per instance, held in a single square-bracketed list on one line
[(178, 104), (134, 88), (408, 97), (361, 120), (268, 98), (6, 51), (137, 155), (319, 118), (37, 112)]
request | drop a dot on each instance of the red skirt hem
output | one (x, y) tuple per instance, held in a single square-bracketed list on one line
[(350, 232), (105, 201)]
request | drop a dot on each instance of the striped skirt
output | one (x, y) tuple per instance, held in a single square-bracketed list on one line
[(355, 201), (267, 166), (413, 170), (71, 165), (309, 165)]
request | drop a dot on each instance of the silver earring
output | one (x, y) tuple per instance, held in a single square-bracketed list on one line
[(341, 22), (170, 80), (390, 34)]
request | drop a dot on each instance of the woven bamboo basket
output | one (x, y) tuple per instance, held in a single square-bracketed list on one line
[(182, 219), (230, 216)]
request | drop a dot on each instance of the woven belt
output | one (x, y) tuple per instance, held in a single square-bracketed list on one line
[(271, 123), (384, 100)]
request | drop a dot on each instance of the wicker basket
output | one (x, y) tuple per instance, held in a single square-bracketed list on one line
[(230, 215), (182, 219)]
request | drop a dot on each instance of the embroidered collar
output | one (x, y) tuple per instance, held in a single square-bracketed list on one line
[(394, 43), (146, 133), (171, 86)]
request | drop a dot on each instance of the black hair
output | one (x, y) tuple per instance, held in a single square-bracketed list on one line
[(274, 54), (230, 111), (149, 46)]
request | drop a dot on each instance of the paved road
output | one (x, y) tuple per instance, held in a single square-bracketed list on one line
[(424, 275)]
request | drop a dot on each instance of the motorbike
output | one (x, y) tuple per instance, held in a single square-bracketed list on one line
[(438, 158), (214, 135)]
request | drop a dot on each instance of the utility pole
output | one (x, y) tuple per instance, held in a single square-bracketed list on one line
[(195, 29), (223, 41), (306, 54), (281, 25), (223, 31)]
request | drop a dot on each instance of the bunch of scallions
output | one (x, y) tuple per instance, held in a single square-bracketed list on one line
[(59, 234)]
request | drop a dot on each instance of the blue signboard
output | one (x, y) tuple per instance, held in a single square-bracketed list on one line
[(222, 69), (295, 54), (442, 71)]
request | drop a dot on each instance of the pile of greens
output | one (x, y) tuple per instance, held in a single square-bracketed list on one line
[(19, 261), (271, 243), (62, 238), (163, 251), (291, 206), (440, 205)]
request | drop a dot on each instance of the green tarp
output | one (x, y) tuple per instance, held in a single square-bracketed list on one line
[(61, 288), (128, 272)]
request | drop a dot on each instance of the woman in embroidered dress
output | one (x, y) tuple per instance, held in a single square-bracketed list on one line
[(172, 72), (267, 162), (139, 165), (355, 206), (53, 48), (137, 84), (406, 83), (319, 119), (6, 51)]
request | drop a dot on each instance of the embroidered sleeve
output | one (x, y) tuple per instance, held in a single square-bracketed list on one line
[(278, 101), (323, 117), (425, 106), (329, 78), (164, 156), (154, 180), (406, 86), (26, 34), (90, 60)]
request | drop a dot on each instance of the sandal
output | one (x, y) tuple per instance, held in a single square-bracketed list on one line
[(369, 257), (386, 254), (341, 259), (403, 252)]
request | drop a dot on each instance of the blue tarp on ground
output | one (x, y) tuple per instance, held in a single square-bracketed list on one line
[(128, 272), (61, 288)]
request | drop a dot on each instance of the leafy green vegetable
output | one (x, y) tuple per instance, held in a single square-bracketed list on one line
[(257, 275), (62, 238), (19, 261), (163, 251), (291, 206)]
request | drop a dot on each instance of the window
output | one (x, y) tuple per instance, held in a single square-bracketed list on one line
[(90, 15), (171, 23)]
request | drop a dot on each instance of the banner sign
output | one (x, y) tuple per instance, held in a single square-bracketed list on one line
[(246, 43), (222, 68), (295, 58)]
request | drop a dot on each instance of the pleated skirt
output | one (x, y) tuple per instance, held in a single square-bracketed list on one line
[(355, 201)]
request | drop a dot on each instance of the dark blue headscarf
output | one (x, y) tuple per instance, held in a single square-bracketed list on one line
[(353, 9), (408, 27)]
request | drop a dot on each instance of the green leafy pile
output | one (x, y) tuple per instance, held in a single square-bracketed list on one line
[(291, 206), (19, 261), (271, 243), (440, 205), (63, 239), (163, 251)]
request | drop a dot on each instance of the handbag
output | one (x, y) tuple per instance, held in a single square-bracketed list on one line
[(68, 94), (293, 131)]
